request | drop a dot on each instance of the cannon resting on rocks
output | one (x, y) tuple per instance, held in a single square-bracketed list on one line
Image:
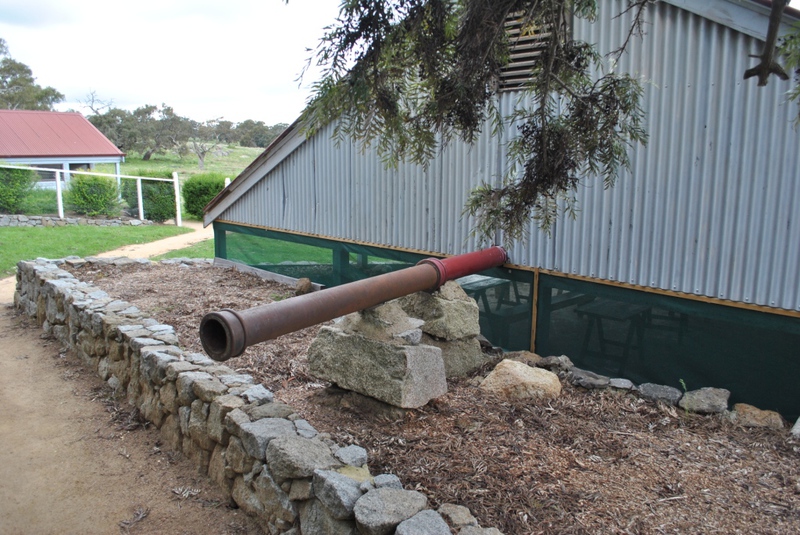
[(227, 333)]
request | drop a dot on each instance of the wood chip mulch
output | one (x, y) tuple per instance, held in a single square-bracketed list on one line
[(599, 461)]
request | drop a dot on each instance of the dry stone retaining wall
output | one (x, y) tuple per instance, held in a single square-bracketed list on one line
[(272, 463), (47, 221)]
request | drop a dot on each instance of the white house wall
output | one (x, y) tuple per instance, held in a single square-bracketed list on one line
[(708, 208)]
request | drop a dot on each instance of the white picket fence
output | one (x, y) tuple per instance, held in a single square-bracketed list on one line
[(118, 177)]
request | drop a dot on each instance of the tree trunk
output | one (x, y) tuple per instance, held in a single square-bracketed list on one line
[(147, 154)]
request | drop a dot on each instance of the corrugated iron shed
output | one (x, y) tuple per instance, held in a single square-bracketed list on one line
[(706, 209), (47, 134)]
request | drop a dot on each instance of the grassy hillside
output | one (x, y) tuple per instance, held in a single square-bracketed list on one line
[(229, 160)]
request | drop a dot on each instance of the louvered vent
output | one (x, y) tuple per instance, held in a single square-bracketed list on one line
[(526, 47)]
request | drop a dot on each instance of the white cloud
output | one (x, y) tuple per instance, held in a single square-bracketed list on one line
[(33, 13), (237, 59)]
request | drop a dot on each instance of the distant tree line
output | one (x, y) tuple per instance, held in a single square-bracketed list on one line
[(151, 130)]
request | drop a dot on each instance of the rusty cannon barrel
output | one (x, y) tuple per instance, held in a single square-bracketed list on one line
[(227, 333)]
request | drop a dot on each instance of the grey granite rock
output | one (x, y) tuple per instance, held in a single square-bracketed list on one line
[(621, 384), (257, 435), (663, 393), (706, 400), (337, 492), (291, 457), (352, 455), (423, 523), (379, 511)]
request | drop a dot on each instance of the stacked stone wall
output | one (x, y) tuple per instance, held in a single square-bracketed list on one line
[(270, 461), (7, 220)]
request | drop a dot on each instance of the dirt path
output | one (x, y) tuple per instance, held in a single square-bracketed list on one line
[(74, 461)]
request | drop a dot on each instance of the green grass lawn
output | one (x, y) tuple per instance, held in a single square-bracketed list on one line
[(28, 243)]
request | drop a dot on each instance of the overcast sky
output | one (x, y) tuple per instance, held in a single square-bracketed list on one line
[(235, 59)]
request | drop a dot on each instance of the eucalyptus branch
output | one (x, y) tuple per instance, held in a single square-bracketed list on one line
[(567, 88), (636, 28), (424, 71)]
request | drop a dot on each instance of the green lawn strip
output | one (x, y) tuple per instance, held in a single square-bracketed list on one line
[(28, 243)]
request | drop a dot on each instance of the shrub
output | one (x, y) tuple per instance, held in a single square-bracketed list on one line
[(40, 201), (158, 197), (15, 185), (199, 190), (93, 195)]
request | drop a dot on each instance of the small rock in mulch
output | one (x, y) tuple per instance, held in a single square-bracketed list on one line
[(512, 380), (587, 379), (705, 400), (556, 364), (526, 357), (621, 384), (663, 393), (749, 416)]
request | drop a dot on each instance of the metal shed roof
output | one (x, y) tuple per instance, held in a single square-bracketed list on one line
[(50, 134)]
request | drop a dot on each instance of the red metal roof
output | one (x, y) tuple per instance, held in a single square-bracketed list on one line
[(41, 134)]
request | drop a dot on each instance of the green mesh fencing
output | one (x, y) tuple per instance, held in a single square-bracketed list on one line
[(649, 337), (504, 296)]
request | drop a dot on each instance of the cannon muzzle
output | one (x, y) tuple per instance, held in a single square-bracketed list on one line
[(227, 333)]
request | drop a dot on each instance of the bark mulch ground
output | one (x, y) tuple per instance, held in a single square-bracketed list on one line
[(598, 461)]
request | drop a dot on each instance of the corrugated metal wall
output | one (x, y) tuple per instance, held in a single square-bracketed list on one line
[(342, 192), (708, 208)]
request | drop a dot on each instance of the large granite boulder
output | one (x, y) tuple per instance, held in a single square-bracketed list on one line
[(400, 375), (449, 313), (461, 357), (449, 322)]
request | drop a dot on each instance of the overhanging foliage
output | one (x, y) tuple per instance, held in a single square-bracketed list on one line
[(410, 75)]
